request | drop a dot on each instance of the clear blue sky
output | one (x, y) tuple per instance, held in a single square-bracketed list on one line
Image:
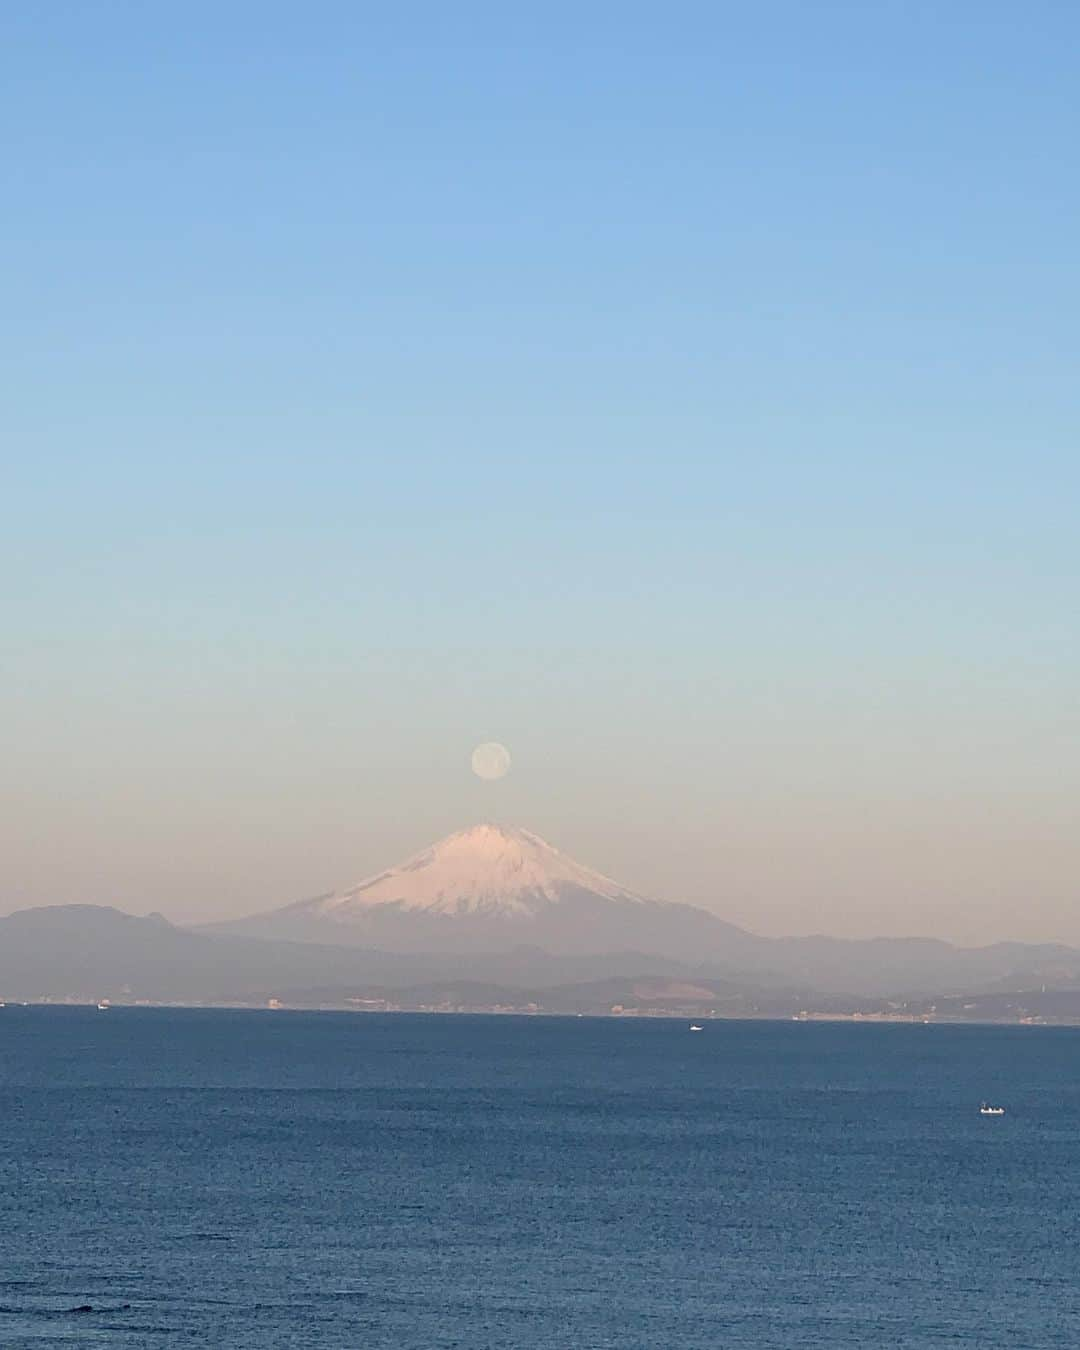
[(684, 395)]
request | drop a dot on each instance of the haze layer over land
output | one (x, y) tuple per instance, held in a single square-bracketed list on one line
[(496, 918)]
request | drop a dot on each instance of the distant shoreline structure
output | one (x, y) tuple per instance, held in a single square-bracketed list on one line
[(365, 1007)]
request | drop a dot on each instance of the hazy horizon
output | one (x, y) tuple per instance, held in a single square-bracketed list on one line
[(208, 908), (688, 404)]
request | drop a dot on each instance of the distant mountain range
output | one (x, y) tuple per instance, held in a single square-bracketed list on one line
[(494, 889), (494, 916)]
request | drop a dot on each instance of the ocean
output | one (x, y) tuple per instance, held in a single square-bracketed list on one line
[(276, 1179)]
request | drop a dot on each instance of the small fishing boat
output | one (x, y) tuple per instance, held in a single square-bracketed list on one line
[(986, 1110), (694, 1027)]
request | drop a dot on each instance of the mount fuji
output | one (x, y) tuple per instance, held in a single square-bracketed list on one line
[(496, 888)]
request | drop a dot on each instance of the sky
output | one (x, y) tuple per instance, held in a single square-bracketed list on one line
[(684, 396)]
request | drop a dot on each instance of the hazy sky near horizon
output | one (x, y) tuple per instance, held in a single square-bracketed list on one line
[(685, 396)]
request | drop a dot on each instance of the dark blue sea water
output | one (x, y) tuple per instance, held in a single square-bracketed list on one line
[(247, 1179)]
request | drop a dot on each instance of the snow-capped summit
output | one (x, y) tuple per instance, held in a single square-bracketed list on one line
[(488, 870), (489, 888)]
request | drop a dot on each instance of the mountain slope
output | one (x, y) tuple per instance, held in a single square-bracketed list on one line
[(85, 953), (89, 952), (492, 888), (489, 870)]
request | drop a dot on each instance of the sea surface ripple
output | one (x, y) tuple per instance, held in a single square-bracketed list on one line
[(255, 1179)]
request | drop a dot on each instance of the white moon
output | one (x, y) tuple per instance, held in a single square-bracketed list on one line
[(491, 760)]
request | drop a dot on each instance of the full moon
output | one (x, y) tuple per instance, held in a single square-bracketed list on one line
[(491, 760)]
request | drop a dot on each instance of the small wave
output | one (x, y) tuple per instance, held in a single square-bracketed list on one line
[(142, 1328), (80, 1309)]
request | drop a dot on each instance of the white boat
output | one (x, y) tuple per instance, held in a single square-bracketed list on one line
[(986, 1110), (694, 1027), (103, 1007)]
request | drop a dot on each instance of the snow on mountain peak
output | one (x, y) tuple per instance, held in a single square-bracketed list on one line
[(488, 869)]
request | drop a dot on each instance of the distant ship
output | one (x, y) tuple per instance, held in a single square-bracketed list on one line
[(694, 1027), (985, 1110)]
